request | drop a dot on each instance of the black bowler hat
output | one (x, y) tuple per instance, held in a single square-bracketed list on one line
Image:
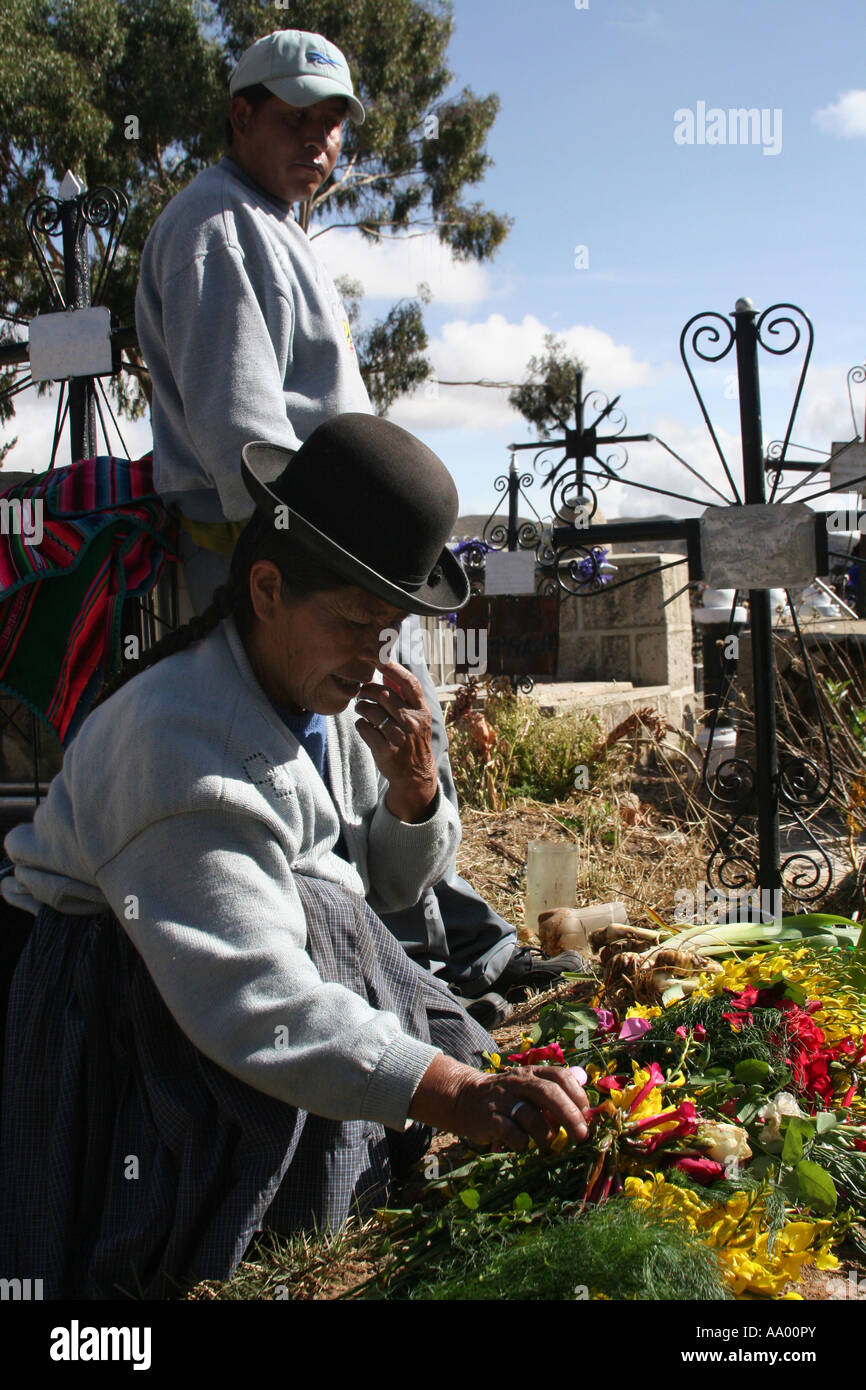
[(372, 502)]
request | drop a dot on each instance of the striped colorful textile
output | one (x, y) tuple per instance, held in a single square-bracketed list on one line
[(106, 534)]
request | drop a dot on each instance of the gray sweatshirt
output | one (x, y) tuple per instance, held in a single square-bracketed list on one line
[(184, 804), (245, 335)]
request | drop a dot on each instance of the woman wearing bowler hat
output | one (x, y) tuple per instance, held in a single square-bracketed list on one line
[(210, 1031)]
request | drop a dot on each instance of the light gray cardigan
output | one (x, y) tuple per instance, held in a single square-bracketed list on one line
[(245, 335), (184, 804)]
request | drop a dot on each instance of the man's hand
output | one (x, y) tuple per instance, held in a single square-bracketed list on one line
[(505, 1108), (396, 724)]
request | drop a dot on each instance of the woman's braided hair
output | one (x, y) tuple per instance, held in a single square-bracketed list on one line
[(302, 574)]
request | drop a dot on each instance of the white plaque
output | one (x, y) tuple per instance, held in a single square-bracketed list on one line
[(764, 545), (509, 572), (74, 342), (848, 466)]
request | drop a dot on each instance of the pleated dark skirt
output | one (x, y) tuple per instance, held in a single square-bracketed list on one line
[(133, 1166)]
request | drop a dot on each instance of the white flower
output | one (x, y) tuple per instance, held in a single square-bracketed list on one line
[(721, 1142), (771, 1115)]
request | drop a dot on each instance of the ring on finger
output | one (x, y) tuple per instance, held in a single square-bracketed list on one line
[(515, 1108), (383, 722)]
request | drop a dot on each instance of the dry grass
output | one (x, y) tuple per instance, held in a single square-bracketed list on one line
[(298, 1268), (639, 839)]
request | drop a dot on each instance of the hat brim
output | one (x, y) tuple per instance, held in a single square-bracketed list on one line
[(449, 593), (307, 90)]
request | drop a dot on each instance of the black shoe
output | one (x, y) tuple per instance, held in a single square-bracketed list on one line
[(489, 1010), (529, 969), (406, 1148)]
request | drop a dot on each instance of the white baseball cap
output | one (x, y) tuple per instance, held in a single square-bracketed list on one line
[(299, 68)]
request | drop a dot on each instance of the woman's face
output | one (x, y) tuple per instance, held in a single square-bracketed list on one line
[(315, 653)]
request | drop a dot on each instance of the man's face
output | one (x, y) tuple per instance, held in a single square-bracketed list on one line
[(288, 150)]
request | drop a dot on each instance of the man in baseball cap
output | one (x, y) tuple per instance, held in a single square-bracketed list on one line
[(242, 328)]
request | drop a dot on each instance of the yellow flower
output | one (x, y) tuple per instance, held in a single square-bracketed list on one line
[(738, 1233), (643, 1011), (653, 1102), (560, 1142)]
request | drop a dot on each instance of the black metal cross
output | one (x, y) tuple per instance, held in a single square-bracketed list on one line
[(571, 550)]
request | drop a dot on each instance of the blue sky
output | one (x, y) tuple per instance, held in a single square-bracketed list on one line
[(585, 156)]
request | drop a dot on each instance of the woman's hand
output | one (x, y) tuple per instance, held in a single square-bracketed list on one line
[(396, 724), (505, 1108)]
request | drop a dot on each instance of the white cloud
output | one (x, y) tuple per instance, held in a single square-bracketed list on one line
[(825, 413), (34, 426), (498, 350), (394, 268), (845, 117), (653, 466)]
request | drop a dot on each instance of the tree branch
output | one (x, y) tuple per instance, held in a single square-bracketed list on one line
[(375, 229), (495, 385), (341, 180), (12, 164), (363, 179)]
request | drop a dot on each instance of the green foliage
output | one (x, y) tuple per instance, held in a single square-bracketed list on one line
[(548, 395), (614, 1249), (844, 701), (392, 353), (535, 755), (73, 71), (729, 1060)]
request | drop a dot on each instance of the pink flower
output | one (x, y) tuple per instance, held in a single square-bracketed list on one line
[(699, 1031), (634, 1028), (656, 1078), (606, 1020), (685, 1120), (702, 1170)]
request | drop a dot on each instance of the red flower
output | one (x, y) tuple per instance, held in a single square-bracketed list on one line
[(551, 1053), (702, 1170), (686, 1119), (745, 999), (611, 1083), (740, 1021), (772, 997)]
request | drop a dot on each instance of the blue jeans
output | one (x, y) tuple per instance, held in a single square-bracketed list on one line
[(452, 926)]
